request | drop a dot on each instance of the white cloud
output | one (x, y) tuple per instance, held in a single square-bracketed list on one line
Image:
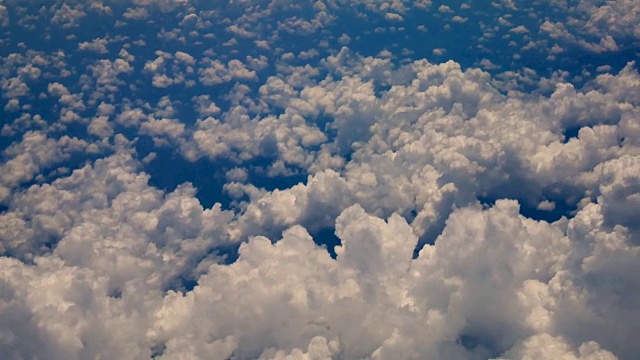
[(13, 88), (184, 57), (206, 107), (344, 39), (138, 13), (475, 284), (96, 45), (100, 126), (35, 153), (459, 19), (66, 16), (4, 15), (12, 105), (548, 347), (96, 262), (106, 75), (30, 71), (161, 129), (393, 17), (614, 19), (520, 29), (558, 31), (216, 72), (131, 117)]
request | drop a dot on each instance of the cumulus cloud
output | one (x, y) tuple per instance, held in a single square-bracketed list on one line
[(35, 153), (97, 45), (478, 292), (216, 72), (441, 211)]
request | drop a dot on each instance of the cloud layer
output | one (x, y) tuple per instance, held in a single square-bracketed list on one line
[(258, 181)]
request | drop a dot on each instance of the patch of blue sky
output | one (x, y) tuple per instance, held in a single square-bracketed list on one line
[(169, 169)]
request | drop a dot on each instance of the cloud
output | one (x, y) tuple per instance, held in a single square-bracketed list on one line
[(4, 14), (217, 73), (13, 88), (139, 13), (35, 153), (558, 31), (374, 282), (549, 347), (443, 211), (67, 16), (97, 45)]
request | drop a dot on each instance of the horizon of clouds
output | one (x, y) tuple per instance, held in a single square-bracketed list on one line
[(320, 180)]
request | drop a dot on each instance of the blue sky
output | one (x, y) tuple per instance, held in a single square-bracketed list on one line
[(340, 179)]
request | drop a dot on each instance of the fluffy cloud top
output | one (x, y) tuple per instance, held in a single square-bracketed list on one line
[(181, 180)]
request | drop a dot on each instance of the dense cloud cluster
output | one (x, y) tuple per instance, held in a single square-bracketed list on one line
[(318, 180)]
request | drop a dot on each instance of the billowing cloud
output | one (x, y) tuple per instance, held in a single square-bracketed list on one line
[(302, 180)]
